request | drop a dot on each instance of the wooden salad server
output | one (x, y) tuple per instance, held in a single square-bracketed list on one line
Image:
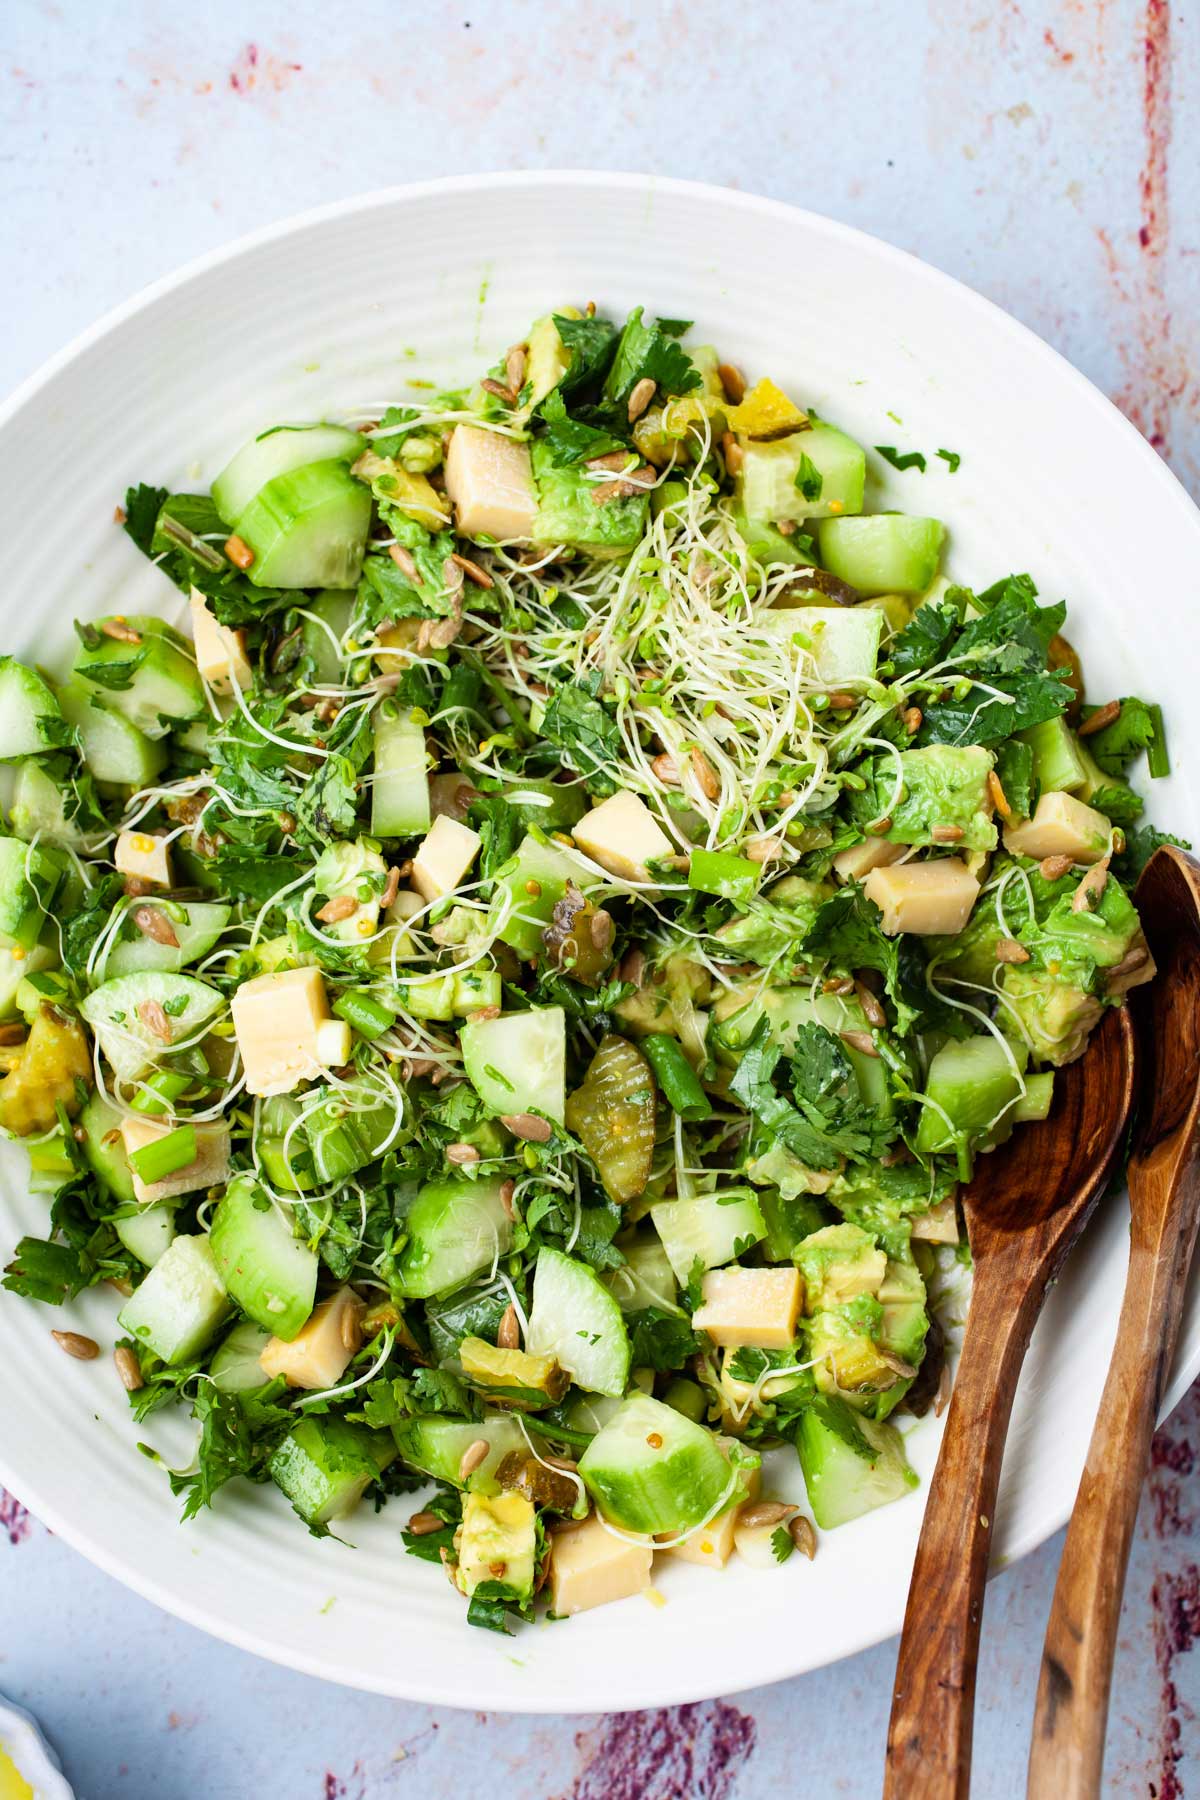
[(1025, 1206), (1164, 1202)]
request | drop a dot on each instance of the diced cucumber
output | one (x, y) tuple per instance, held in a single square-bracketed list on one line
[(812, 475), (526, 892), (179, 1304), (31, 877), (325, 1466), (104, 1149), (437, 1446), (767, 545), (307, 528), (882, 553), (333, 607), (235, 1369), (39, 808), (973, 1081), (1057, 762), (116, 1012), (576, 1321), (278, 452), (197, 932), (348, 1131), (1036, 1101), (517, 1063), (114, 750), (148, 1234), (266, 1269), (711, 1228), (652, 1470), (400, 784), (843, 641), (14, 970), (475, 989), (551, 805), (646, 1278), (455, 1228), (50, 1163), (30, 718), (429, 997), (153, 683), (851, 1464)]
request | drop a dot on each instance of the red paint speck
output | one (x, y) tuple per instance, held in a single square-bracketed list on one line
[(1176, 1602), (14, 1519), (695, 1752), (255, 69), (1052, 44)]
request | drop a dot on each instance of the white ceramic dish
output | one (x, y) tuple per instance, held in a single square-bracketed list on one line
[(340, 309)]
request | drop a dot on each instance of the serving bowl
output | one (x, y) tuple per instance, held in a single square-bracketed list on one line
[(342, 310)]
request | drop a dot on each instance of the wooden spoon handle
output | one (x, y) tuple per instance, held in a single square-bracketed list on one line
[(1067, 1751), (929, 1738)]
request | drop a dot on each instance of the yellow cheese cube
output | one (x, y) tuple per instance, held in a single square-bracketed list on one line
[(144, 856), (622, 835), (220, 651), (319, 1355), (444, 858), (939, 1225), (1061, 826), (924, 897), (278, 1019), (490, 480), (754, 1307), (860, 859), (210, 1166), (589, 1567)]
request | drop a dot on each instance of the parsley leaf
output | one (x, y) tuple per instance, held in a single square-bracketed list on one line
[(328, 805), (239, 1434), (827, 1093), (910, 459), (809, 479), (675, 328), (846, 932), (592, 345), (753, 1084)]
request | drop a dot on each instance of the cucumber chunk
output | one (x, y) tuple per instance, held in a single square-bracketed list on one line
[(437, 1446), (526, 892), (1057, 758), (711, 1228), (104, 1149), (147, 1234), (153, 683), (644, 1279), (400, 785), (117, 1010), (308, 528), (114, 750), (851, 1464), (518, 1063), (882, 553), (551, 805), (973, 1081), (333, 607), (278, 452), (235, 1369), (812, 475), (179, 1304), (197, 932), (650, 1469), (266, 1269), (843, 641), (576, 1321), (39, 808), (326, 1465), (455, 1228), (31, 878), (30, 717)]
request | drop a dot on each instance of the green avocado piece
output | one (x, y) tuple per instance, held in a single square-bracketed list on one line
[(497, 1542), (568, 513), (838, 1263), (945, 788), (905, 1319), (1056, 1017)]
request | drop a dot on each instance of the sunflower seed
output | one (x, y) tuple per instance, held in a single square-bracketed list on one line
[(763, 1512), (422, 1523), (640, 398), (1104, 715), (472, 1456), (733, 382), (528, 1126), (155, 924), (999, 797), (342, 906), (152, 1016), (472, 571), (801, 1532), (84, 1349), (912, 717), (1009, 951), (862, 1041), (461, 1155), (128, 1369), (706, 775), (1053, 868), (118, 629), (508, 1332), (405, 562), (870, 1005), (947, 834)]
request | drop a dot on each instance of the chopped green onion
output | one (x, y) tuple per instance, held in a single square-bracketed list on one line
[(722, 873), (157, 1091), (1157, 760), (366, 1014), (676, 1077), (166, 1155)]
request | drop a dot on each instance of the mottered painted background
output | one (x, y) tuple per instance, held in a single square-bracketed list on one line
[(1048, 153)]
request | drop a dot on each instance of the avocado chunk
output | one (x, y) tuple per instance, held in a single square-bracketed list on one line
[(568, 513), (838, 1263), (944, 797), (497, 1542)]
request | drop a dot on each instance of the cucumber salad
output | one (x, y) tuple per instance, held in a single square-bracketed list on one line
[(505, 986)]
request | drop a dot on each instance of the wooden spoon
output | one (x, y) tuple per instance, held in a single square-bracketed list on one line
[(1164, 1201), (1025, 1206)]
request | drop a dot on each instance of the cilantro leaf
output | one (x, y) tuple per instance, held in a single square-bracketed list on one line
[(675, 328), (809, 479), (328, 804), (187, 545), (951, 458), (925, 640), (587, 735), (753, 1084), (239, 1433), (827, 1093), (142, 507), (1119, 803), (781, 1544), (847, 933), (1140, 846), (574, 440), (910, 459), (660, 1340), (646, 352), (592, 345), (1115, 746)]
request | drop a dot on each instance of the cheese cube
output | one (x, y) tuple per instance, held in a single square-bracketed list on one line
[(939, 1225), (490, 480), (589, 1567), (1061, 826), (754, 1307), (144, 856), (711, 1545), (623, 835), (210, 1166), (860, 859), (444, 858), (278, 1019), (923, 897), (319, 1355), (220, 652)]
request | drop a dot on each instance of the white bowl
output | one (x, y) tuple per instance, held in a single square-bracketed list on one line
[(343, 308)]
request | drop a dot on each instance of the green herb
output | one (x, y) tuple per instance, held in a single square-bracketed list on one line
[(909, 459), (781, 1544), (809, 479), (952, 458)]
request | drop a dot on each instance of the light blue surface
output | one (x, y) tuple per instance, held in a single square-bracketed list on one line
[(1046, 155)]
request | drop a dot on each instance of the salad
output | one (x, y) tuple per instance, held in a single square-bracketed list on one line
[(506, 991)]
